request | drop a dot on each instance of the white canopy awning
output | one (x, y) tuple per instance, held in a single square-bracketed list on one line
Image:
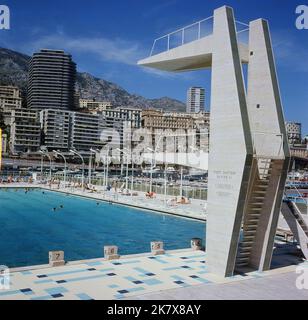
[(197, 160)]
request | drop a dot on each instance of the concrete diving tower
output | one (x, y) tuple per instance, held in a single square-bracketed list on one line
[(249, 153)]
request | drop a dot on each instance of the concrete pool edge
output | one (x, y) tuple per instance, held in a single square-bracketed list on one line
[(77, 262)]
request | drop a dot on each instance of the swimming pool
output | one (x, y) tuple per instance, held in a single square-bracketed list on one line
[(30, 227)]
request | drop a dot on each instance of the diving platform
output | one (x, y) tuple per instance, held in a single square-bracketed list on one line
[(191, 48), (249, 154)]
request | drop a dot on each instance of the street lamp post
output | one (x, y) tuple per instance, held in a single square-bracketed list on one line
[(181, 190), (50, 161), (90, 164), (132, 184), (107, 167), (42, 163), (151, 172), (48, 156), (165, 191), (126, 184), (104, 173), (65, 164), (83, 165)]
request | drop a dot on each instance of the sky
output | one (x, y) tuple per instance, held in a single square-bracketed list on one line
[(107, 38)]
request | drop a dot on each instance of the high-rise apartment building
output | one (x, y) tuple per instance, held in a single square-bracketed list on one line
[(10, 99), (55, 125), (86, 131), (294, 132), (25, 131), (52, 76), (195, 100)]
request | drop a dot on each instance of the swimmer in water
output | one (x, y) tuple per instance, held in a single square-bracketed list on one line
[(61, 206), (97, 203), (54, 209)]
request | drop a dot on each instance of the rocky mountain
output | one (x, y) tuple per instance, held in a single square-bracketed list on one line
[(14, 71)]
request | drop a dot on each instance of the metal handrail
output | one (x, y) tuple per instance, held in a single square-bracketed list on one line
[(300, 196), (244, 30), (242, 23), (182, 31)]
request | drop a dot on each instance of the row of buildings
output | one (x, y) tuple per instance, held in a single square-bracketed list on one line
[(94, 125), (57, 119), (98, 123), (119, 128)]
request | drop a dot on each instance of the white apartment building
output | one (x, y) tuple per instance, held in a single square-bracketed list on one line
[(195, 100), (86, 130), (25, 131), (55, 126)]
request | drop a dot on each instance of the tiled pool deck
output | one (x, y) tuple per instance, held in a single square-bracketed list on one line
[(175, 275), (131, 278)]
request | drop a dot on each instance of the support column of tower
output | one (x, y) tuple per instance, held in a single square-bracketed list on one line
[(270, 147), (231, 151)]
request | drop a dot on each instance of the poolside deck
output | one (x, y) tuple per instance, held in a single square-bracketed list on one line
[(180, 274)]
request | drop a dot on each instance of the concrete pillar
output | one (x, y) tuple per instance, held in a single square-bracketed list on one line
[(269, 136), (230, 156)]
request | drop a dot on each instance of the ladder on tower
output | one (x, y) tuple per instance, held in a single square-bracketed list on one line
[(253, 213)]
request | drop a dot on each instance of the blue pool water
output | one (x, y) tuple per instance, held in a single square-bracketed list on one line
[(30, 228)]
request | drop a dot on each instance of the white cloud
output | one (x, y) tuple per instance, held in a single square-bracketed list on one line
[(107, 50), (115, 50)]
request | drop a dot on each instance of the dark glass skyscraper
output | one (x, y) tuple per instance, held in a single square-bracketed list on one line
[(52, 76)]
